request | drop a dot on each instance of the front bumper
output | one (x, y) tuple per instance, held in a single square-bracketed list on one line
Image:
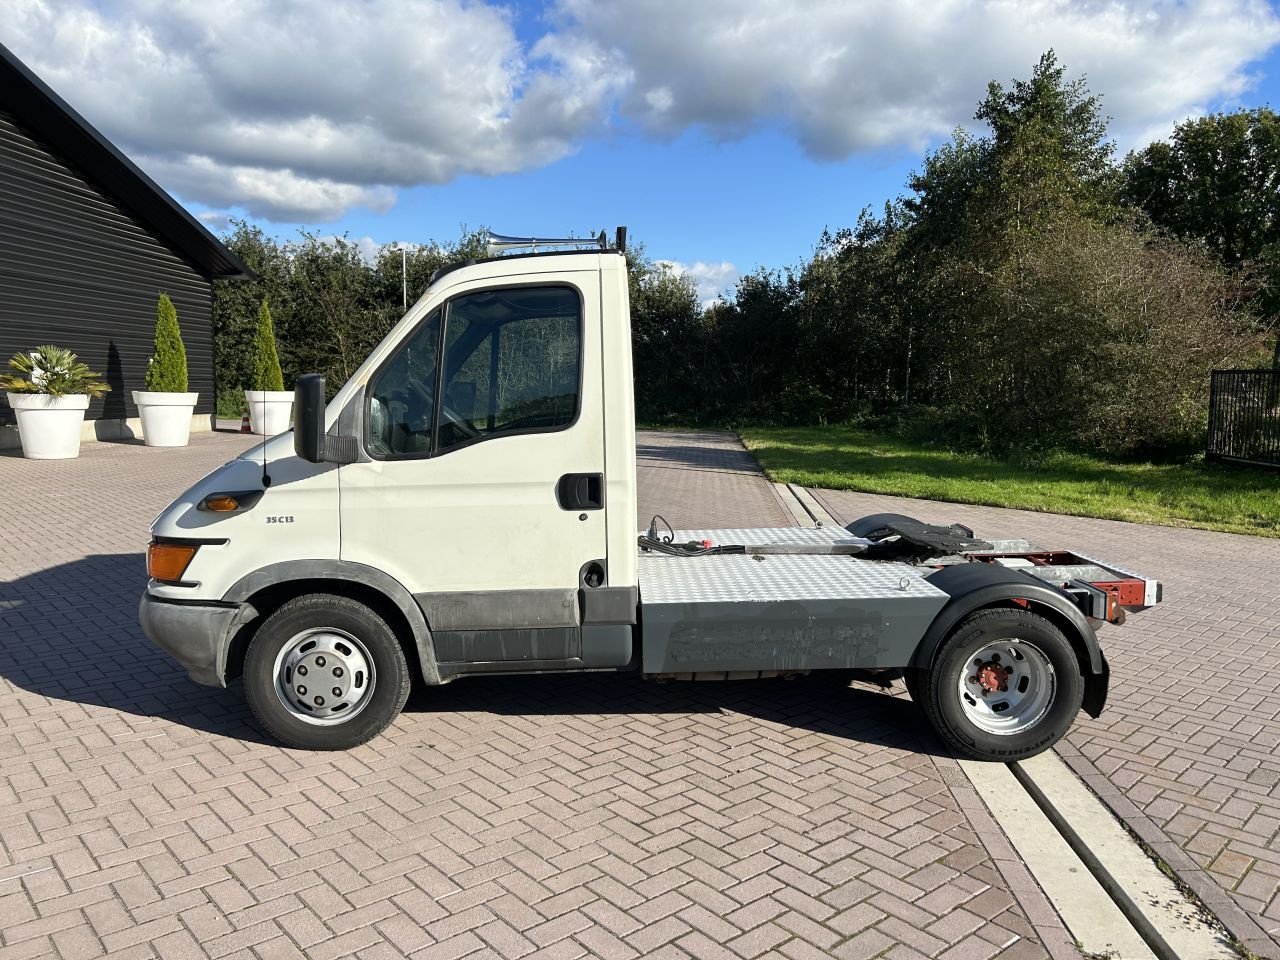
[(197, 635)]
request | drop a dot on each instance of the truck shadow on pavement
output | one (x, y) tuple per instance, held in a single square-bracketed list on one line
[(696, 457), (70, 633), (861, 713)]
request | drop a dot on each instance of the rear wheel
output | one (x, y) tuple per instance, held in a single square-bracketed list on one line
[(1004, 686), (325, 673)]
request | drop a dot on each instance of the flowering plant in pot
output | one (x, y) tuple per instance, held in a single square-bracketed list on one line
[(270, 404), (49, 391), (165, 406)]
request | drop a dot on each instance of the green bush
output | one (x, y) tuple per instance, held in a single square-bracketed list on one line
[(230, 404), (167, 369), (53, 371), (266, 362)]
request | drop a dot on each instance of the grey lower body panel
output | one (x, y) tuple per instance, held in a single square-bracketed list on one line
[(499, 609), (784, 635), (521, 630), (736, 613), (197, 635)]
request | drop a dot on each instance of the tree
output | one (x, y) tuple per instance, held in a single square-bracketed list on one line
[(266, 362), (1061, 117), (330, 304), (854, 330), (670, 343), (1064, 113), (1049, 318), (334, 321), (235, 308), (1218, 182), (167, 369), (389, 283), (755, 337)]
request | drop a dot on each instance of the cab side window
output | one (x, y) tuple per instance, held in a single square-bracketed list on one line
[(512, 364), (402, 398)]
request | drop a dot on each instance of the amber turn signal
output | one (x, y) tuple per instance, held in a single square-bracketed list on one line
[(221, 503), (169, 561)]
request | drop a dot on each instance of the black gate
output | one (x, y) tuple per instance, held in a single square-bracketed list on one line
[(1244, 416)]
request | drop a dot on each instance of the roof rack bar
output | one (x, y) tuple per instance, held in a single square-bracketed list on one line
[(497, 242)]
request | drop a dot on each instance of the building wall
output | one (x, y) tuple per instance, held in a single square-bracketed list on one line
[(78, 272)]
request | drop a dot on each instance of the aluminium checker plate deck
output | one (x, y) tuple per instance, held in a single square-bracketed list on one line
[(740, 613)]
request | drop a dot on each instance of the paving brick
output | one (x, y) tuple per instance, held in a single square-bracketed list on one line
[(1182, 753), (555, 817)]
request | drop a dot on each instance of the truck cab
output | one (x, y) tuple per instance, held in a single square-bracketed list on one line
[(466, 504), (479, 478)]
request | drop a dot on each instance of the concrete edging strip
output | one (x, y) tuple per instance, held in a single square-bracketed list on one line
[(1170, 924), (793, 505), (1091, 916), (812, 506)]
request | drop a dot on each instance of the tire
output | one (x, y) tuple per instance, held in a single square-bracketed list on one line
[(1040, 696), (365, 676), (875, 523)]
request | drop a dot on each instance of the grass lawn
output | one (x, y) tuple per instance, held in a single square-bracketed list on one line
[(1210, 496)]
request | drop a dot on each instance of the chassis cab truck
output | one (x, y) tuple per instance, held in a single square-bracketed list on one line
[(466, 504)]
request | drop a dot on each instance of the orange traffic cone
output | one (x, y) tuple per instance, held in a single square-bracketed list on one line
[(244, 421)]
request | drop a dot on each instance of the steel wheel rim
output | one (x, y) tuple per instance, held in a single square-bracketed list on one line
[(1025, 690), (324, 676)]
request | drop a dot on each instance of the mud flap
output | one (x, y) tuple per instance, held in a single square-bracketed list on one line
[(1095, 689)]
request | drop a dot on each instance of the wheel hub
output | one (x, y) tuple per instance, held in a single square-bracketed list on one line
[(991, 677), (324, 675), (1007, 686)]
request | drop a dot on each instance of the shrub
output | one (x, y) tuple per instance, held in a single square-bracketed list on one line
[(167, 369), (266, 362), (53, 371)]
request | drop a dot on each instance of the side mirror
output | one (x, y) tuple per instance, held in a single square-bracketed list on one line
[(308, 417)]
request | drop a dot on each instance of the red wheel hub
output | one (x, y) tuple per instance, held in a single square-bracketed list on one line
[(992, 676)]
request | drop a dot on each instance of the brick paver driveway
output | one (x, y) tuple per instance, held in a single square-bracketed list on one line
[(141, 815), (1188, 750)]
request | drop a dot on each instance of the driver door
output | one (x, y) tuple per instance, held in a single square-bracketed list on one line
[(483, 493)]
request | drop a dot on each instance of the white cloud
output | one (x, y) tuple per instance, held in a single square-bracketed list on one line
[(300, 110), (843, 77), (303, 109), (214, 220), (713, 279)]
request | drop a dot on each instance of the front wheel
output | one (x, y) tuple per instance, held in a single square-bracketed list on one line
[(1005, 686), (325, 673)]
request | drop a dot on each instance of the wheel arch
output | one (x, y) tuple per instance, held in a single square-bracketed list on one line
[(980, 586), (268, 588)]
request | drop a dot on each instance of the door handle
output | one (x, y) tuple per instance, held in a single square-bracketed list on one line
[(581, 491)]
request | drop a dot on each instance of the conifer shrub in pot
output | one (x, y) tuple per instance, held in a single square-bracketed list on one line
[(270, 404), (166, 407)]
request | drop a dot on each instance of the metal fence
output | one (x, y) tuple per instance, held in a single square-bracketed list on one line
[(1244, 416)]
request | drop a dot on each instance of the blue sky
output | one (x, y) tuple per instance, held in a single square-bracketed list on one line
[(725, 134), (754, 201)]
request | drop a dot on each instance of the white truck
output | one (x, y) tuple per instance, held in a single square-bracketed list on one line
[(466, 504)]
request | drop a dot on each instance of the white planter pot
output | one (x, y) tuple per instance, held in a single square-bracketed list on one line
[(49, 426), (166, 417), (270, 411)]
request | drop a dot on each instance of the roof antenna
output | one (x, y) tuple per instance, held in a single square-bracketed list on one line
[(266, 478)]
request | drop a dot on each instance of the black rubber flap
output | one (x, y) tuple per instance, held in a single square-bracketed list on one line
[(920, 540)]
